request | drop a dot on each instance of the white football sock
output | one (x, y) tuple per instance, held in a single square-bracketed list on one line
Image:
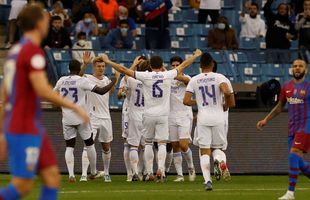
[(85, 162), (127, 160), (134, 159), (169, 159), (161, 157), (106, 157), (205, 167), (141, 162), (177, 159), (188, 156), (92, 157), (69, 157), (149, 158), (219, 155)]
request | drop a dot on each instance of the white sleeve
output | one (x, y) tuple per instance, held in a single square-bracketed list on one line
[(172, 73), (57, 86), (86, 85), (123, 83), (140, 75), (190, 86)]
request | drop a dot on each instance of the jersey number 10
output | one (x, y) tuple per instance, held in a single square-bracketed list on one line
[(206, 93)]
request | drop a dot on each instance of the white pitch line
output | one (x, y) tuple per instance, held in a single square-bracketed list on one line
[(189, 190)]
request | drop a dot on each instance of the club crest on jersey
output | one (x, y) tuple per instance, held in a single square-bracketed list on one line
[(302, 93)]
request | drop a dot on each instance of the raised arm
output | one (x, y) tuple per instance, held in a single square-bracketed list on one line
[(103, 90), (187, 100), (86, 60), (45, 91), (189, 61), (118, 67)]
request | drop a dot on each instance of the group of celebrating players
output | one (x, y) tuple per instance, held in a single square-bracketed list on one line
[(157, 111)]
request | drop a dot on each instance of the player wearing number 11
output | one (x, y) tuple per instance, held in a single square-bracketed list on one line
[(209, 89), (156, 90)]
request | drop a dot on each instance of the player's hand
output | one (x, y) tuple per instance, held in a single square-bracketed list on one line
[(137, 60), (82, 114), (87, 57), (105, 57), (3, 147), (197, 53), (261, 124)]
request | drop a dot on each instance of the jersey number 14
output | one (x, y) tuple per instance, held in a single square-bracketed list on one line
[(205, 92)]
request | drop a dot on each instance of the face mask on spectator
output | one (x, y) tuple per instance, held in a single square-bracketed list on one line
[(124, 30), (87, 20), (82, 43), (221, 26)]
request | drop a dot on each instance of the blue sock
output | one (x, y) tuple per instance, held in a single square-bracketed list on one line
[(9, 193), (294, 171), (48, 193), (304, 167)]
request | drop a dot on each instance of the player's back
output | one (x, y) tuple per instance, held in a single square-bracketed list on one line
[(73, 88), (23, 106), (177, 108), (136, 101), (209, 97), (156, 90)]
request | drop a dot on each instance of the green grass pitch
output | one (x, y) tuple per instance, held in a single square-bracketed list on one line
[(239, 188)]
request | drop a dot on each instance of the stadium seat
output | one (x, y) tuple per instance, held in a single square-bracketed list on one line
[(273, 71), (190, 16), (238, 57), (175, 16), (256, 56), (229, 4), (294, 45), (61, 55), (185, 4), (126, 55), (63, 68), (180, 30), (95, 43), (193, 70), (141, 30), (139, 43), (179, 43), (250, 73), (248, 43), (201, 29), (198, 42)]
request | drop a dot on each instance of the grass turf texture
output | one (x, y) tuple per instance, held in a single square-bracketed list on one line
[(240, 188)]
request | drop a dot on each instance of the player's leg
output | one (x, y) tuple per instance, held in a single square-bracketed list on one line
[(141, 163), (169, 157), (177, 156), (204, 138), (184, 132), (162, 136), (49, 172), (70, 133), (149, 125), (125, 123)]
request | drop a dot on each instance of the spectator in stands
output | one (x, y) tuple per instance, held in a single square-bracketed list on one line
[(209, 8), (252, 26), (58, 10), (57, 37), (157, 35), (121, 37), (280, 30), (16, 7), (303, 27), (222, 36), (122, 14), (84, 6), (107, 9), (87, 25), (68, 4), (82, 44)]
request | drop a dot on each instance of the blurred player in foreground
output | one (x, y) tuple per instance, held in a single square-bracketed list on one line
[(100, 117), (209, 89), (25, 83), (156, 90), (296, 93), (180, 123)]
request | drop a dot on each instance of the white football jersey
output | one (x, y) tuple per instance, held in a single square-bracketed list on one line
[(73, 88), (206, 87), (98, 105), (177, 108), (136, 101), (122, 84), (231, 90), (156, 90)]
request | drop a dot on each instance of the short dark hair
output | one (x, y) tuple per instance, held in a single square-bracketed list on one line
[(29, 17), (74, 66), (176, 59), (81, 34), (255, 4), (156, 62), (123, 21), (206, 60), (54, 18)]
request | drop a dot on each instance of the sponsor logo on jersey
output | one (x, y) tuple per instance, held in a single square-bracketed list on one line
[(294, 100)]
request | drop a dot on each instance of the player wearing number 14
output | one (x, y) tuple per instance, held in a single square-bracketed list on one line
[(156, 90)]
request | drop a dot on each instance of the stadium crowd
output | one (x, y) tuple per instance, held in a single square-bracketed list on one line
[(115, 23)]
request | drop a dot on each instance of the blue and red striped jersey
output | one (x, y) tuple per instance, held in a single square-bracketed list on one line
[(297, 95)]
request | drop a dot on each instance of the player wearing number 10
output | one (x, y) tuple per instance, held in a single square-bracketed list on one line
[(74, 88), (209, 89), (156, 90)]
